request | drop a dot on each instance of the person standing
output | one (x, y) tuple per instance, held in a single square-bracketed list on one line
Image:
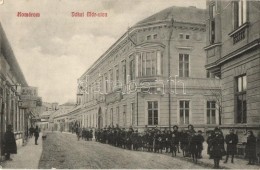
[(36, 134), (177, 136), (31, 131), (194, 146), (217, 147), (231, 141), (209, 142), (200, 143), (251, 147), (9, 143)]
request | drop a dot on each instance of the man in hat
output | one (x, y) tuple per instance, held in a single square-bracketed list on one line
[(9, 143), (217, 144), (231, 141)]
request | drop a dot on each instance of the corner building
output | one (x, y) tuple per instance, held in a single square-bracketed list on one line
[(153, 75), (233, 54)]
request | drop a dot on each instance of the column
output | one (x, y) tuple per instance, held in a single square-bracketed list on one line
[(8, 102), (158, 56), (136, 65)]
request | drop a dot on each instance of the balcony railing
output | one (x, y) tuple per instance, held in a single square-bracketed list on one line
[(239, 36), (240, 33)]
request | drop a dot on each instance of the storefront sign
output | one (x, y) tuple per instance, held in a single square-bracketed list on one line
[(29, 91), (112, 97), (27, 104)]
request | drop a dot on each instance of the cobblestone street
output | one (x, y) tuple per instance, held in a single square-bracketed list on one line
[(61, 150)]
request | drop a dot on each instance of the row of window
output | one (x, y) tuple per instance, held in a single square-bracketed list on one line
[(113, 117), (150, 37), (184, 112), (181, 36)]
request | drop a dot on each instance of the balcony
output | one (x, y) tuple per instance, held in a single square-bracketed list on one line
[(239, 34)]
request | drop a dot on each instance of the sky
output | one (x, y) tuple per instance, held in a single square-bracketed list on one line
[(55, 49)]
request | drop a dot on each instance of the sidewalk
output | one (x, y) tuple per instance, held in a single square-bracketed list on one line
[(209, 163), (27, 157)]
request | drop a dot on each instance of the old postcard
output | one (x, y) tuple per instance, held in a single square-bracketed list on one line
[(130, 84)]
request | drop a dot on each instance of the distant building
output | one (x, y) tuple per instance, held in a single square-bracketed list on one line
[(45, 112), (233, 54), (59, 119), (153, 75)]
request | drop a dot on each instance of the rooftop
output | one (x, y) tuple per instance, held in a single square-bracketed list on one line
[(6, 50), (180, 14)]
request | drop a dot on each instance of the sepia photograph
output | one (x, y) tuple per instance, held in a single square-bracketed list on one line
[(130, 84)]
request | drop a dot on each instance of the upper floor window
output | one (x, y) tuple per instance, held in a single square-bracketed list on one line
[(111, 79), (212, 27), (155, 36), (132, 69), (124, 71), (149, 63), (240, 13), (187, 37), (210, 75), (149, 37), (181, 36), (183, 65), (117, 73), (241, 102), (106, 83)]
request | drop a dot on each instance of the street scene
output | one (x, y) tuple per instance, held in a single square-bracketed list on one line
[(120, 84)]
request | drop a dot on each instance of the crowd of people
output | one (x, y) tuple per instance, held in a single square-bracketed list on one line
[(189, 141), (84, 133), (155, 140)]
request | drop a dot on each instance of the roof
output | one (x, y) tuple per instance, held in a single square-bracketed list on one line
[(179, 14), (68, 104), (8, 53), (47, 113), (188, 15)]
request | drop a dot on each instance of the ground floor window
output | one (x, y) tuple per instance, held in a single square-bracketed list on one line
[(117, 115), (152, 112), (211, 112), (111, 116), (240, 96), (133, 113), (184, 112), (124, 115)]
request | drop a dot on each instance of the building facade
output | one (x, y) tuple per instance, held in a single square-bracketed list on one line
[(152, 76), (12, 82), (233, 54), (59, 119)]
